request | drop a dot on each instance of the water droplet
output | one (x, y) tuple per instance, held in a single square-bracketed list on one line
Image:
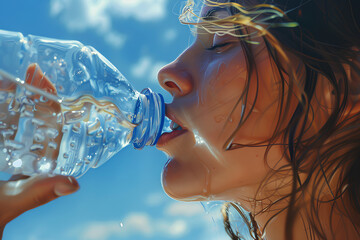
[(65, 129), (72, 144), (93, 126), (28, 114), (14, 144), (47, 51), (37, 122), (18, 163), (7, 133), (36, 147), (3, 116), (3, 125), (52, 133), (79, 163), (74, 116), (76, 127), (219, 118), (44, 165), (65, 155), (43, 99), (39, 136), (3, 96), (52, 145), (99, 134)]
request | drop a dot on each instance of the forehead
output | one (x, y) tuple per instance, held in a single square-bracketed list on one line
[(214, 11)]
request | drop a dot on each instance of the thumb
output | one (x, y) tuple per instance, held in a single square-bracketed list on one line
[(38, 190)]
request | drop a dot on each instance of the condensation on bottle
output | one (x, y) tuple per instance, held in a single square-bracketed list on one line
[(91, 114)]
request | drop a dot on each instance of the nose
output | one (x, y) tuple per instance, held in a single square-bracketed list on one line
[(176, 79)]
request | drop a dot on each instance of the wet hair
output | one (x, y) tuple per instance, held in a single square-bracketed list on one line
[(325, 36)]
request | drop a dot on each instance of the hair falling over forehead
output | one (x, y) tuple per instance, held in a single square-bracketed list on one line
[(260, 18), (325, 36)]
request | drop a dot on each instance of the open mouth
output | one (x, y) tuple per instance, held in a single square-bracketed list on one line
[(176, 130), (174, 126)]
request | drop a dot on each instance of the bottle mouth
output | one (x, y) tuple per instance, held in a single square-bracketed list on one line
[(152, 108)]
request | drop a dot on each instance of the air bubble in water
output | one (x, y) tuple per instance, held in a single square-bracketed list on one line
[(39, 136), (99, 133), (3, 125), (74, 116), (52, 133), (52, 145), (29, 114), (36, 147), (14, 144), (37, 122), (65, 155), (7, 133), (79, 163), (76, 127), (93, 127)]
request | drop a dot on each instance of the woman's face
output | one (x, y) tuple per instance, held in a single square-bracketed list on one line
[(206, 81)]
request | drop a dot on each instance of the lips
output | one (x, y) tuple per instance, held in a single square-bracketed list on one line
[(177, 130)]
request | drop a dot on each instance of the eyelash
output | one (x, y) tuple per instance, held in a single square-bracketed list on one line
[(215, 47)]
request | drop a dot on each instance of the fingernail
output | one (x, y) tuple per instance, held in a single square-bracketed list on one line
[(63, 189)]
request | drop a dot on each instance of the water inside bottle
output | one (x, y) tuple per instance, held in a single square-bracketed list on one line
[(40, 134)]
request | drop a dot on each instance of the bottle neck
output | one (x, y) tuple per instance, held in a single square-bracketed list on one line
[(149, 114)]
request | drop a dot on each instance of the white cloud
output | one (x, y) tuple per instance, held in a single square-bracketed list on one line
[(184, 209), (115, 39), (155, 199), (81, 15), (141, 67), (147, 68), (135, 224), (141, 10), (170, 35)]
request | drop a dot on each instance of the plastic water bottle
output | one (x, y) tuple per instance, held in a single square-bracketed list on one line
[(69, 112)]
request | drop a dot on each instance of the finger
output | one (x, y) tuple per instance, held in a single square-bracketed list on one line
[(18, 177), (36, 78), (36, 191)]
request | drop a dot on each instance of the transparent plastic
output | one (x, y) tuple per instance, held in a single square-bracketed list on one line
[(91, 114)]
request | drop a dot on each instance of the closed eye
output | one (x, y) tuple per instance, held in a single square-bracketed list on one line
[(221, 47), (216, 46)]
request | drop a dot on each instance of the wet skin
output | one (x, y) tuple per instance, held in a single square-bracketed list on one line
[(206, 82)]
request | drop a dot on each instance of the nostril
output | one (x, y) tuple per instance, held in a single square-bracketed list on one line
[(172, 85)]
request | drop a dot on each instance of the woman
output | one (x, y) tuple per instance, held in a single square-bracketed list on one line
[(265, 116), (266, 100)]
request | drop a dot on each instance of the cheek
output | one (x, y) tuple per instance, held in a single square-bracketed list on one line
[(220, 87), (223, 79)]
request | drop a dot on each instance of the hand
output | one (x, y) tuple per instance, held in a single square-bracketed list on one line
[(22, 193)]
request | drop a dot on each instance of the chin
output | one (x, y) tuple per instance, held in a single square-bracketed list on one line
[(185, 180)]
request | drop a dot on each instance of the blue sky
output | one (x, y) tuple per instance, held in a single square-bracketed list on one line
[(123, 199)]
